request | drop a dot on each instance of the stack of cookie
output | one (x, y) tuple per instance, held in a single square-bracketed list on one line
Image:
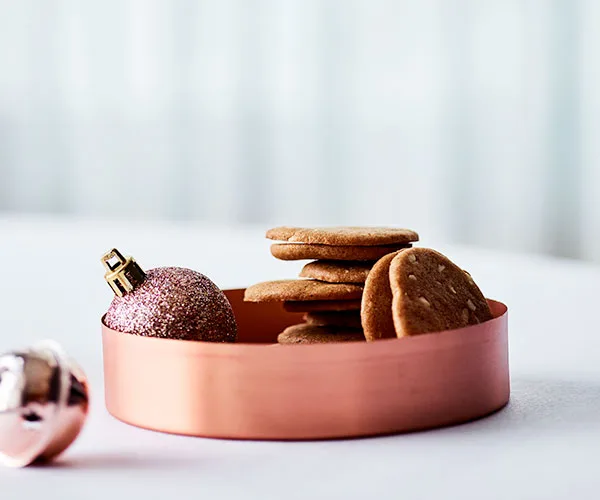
[(331, 289)]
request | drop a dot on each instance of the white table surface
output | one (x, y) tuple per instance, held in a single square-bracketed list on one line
[(544, 445)]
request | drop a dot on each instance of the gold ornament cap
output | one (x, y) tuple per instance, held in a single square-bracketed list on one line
[(123, 274)]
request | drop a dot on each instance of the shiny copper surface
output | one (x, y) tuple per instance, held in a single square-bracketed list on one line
[(254, 390)]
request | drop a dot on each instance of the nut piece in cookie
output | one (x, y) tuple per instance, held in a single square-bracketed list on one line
[(376, 306), (432, 294), (300, 290), (344, 235), (311, 334), (300, 251), (333, 271)]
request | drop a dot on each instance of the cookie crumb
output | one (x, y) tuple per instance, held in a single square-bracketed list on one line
[(412, 258), (412, 277), (471, 305), (441, 268), (452, 289)]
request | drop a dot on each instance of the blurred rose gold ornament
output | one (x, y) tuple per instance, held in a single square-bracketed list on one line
[(43, 404)]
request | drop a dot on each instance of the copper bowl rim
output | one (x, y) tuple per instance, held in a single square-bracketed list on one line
[(499, 310)]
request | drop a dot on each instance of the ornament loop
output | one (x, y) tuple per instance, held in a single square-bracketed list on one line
[(123, 274)]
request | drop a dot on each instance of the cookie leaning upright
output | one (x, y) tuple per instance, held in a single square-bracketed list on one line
[(432, 294), (376, 305)]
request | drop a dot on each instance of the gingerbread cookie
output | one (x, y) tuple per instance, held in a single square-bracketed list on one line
[(299, 251), (322, 305), (311, 334), (432, 294), (348, 319), (344, 235), (280, 290), (334, 271), (376, 307)]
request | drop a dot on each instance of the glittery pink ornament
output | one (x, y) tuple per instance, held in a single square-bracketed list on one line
[(166, 302)]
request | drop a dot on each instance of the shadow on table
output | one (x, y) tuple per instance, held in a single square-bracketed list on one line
[(546, 404), (540, 405), (115, 461)]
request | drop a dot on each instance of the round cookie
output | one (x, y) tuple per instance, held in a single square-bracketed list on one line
[(333, 271), (348, 319), (432, 294), (311, 334), (344, 235), (376, 306), (300, 251), (301, 290), (322, 305)]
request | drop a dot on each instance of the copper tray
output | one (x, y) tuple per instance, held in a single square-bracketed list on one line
[(254, 389)]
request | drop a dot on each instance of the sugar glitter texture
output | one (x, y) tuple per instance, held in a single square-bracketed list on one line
[(175, 303)]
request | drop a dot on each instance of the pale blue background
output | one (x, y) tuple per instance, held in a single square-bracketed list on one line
[(471, 121)]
